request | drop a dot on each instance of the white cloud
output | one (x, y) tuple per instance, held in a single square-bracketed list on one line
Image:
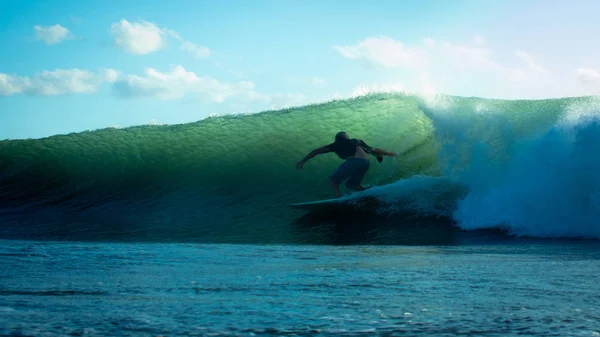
[(471, 69), (60, 82), (138, 38), (589, 76), (52, 34), (111, 75), (197, 51), (11, 85), (389, 53), (144, 37), (383, 51), (177, 83), (53, 83), (171, 85)]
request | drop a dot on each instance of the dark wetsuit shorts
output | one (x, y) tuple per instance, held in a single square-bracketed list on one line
[(353, 169)]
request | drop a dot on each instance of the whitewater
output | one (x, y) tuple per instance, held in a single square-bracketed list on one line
[(525, 167)]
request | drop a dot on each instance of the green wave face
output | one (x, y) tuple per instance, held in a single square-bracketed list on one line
[(236, 174)]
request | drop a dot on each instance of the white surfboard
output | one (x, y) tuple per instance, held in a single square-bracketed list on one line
[(338, 203)]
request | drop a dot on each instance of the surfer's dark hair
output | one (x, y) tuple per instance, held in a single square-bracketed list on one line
[(340, 136)]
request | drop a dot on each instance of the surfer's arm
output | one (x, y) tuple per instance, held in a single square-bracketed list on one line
[(382, 152), (315, 152), (375, 151), (312, 154)]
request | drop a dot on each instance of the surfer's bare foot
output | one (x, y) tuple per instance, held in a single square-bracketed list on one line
[(358, 187)]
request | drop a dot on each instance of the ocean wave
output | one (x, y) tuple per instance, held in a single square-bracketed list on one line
[(526, 166)]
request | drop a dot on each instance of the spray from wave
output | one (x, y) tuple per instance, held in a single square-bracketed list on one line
[(534, 173)]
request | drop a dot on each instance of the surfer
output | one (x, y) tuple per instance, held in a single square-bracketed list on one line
[(356, 164)]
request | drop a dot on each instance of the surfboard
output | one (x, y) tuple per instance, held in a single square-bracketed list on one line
[(364, 203)]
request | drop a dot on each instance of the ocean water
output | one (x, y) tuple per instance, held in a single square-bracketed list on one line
[(488, 224), (169, 289)]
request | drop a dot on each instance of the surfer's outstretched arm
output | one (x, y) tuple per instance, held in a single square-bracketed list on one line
[(312, 154), (375, 151), (382, 152)]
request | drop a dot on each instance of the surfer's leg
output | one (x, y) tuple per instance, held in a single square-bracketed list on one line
[(361, 166), (336, 187), (339, 175)]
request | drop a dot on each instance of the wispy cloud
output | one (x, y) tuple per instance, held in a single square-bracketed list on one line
[(453, 67), (177, 83), (144, 37), (197, 51), (174, 84), (55, 83), (590, 78), (11, 85), (383, 51), (52, 34)]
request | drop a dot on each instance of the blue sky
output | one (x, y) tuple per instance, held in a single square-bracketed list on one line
[(72, 66)]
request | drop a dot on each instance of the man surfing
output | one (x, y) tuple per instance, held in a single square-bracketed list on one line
[(356, 164)]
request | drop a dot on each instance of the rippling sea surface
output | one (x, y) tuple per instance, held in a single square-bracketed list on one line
[(515, 287)]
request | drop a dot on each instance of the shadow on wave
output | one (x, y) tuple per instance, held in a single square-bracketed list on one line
[(359, 227)]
